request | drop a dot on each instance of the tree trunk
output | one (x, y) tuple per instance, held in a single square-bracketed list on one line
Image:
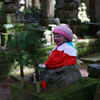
[(22, 76), (37, 74)]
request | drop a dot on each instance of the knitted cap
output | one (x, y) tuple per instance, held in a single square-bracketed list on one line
[(64, 30)]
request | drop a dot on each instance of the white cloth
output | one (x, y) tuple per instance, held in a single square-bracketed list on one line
[(68, 49)]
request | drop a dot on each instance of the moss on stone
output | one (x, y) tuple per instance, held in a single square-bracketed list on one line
[(83, 89)]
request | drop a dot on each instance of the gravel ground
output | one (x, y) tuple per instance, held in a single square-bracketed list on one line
[(5, 93)]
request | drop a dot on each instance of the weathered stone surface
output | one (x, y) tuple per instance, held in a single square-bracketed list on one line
[(83, 89), (4, 66), (56, 21), (94, 70), (69, 5), (46, 22), (8, 0), (98, 33), (47, 8), (69, 0), (65, 75), (9, 7), (35, 3), (13, 18), (69, 14), (3, 19), (1, 50)]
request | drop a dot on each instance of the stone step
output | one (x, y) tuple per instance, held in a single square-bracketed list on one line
[(93, 58)]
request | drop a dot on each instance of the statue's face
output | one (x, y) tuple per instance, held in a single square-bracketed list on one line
[(59, 39)]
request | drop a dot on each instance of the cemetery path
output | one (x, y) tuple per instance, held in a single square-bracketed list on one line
[(83, 70), (5, 93)]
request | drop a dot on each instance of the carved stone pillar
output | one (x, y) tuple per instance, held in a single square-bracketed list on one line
[(47, 12), (70, 13), (35, 3)]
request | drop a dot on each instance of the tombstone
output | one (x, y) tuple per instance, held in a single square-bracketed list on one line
[(94, 70), (69, 13), (27, 4), (47, 12), (35, 3), (17, 4)]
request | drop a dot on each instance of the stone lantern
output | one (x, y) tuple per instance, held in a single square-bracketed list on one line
[(9, 6)]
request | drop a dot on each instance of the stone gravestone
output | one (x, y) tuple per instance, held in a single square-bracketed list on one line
[(47, 12), (70, 13), (94, 70), (35, 3), (4, 66)]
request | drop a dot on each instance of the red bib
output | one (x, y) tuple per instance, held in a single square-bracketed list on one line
[(58, 59)]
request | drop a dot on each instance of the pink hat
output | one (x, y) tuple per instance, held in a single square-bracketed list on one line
[(64, 30)]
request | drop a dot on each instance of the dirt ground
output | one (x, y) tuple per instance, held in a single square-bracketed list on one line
[(83, 70), (5, 93)]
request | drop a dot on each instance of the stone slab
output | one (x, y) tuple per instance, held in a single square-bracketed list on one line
[(94, 70), (93, 58), (83, 89)]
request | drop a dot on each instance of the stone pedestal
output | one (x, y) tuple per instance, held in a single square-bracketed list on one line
[(81, 90)]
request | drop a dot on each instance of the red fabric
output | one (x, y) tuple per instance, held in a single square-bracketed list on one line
[(58, 59)]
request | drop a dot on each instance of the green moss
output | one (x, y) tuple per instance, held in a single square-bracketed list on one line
[(83, 89)]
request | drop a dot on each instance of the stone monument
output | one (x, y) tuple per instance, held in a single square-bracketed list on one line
[(69, 13), (47, 12)]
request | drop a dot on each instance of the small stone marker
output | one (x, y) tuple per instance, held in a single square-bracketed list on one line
[(94, 70)]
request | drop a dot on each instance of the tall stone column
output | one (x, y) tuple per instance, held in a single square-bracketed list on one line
[(69, 13), (35, 3), (47, 12), (17, 4), (26, 4), (47, 8)]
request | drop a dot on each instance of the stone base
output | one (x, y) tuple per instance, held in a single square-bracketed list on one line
[(46, 21), (83, 89)]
